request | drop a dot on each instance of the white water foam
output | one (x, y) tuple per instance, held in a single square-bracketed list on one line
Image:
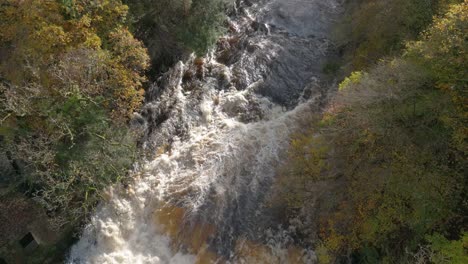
[(216, 156), (221, 164)]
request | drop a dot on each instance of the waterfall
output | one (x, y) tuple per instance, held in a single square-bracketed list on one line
[(215, 132)]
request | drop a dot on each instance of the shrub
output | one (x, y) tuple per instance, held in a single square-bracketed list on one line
[(71, 78), (395, 133)]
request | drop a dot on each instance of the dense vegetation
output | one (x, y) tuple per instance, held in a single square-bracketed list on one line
[(374, 29), (395, 137), (171, 28), (71, 75), (72, 72)]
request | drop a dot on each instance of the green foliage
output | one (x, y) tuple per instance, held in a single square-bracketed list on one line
[(374, 29), (172, 27), (306, 163), (354, 78), (443, 51), (449, 251), (72, 75), (323, 255), (396, 134), (202, 27)]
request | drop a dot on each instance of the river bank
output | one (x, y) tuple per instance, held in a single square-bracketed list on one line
[(217, 128)]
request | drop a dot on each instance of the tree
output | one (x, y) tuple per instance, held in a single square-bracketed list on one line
[(393, 134), (71, 77), (172, 28), (375, 29)]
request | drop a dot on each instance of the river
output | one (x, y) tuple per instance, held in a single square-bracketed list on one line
[(215, 131)]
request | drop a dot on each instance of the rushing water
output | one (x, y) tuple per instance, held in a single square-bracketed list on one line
[(216, 131)]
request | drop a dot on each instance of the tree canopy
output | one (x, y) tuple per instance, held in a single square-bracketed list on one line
[(71, 76), (395, 136)]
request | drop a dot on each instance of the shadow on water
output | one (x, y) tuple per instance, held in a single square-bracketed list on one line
[(216, 129), (278, 53)]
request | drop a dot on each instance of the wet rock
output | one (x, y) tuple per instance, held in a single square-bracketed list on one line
[(137, 121), (255, 25), (227, 129), (188, 76)]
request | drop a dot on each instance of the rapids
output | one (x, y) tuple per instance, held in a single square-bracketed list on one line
[(215, 130)]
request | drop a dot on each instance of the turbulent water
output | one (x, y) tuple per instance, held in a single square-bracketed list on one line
[(216, 130)]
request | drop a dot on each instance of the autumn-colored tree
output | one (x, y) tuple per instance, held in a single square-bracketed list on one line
[(395, 136), (71, 76), (443, 50), (374, 29)]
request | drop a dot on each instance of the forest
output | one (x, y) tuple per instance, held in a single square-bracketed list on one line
[(395, 136), (391, 141), (72, 73)]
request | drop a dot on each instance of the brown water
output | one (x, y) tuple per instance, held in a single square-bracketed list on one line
[(216, 131)]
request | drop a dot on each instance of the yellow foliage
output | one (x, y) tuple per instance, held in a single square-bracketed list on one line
[(38, 38), (397, 135), (354, 78), (443, 49), (49, 39)]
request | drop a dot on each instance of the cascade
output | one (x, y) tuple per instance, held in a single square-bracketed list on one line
[(215, 131)]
